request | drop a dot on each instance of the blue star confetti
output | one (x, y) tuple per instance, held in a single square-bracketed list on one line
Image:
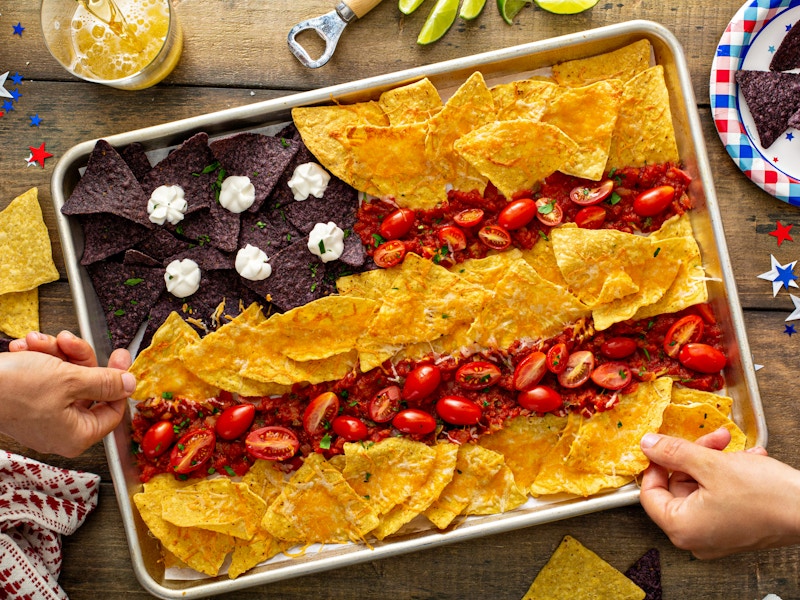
[(16, 78), (8, 106), (789, 330), (780, 275), (15, 94), (18, 29), (790, 136), (35, 120), (772, 49), (785, 275)]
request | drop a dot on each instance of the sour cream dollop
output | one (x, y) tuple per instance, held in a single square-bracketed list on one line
[(167, 204), (326, 240), (251, 263), (182, 278), (237, 194), (309, 179)]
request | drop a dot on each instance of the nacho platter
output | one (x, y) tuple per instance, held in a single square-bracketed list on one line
[(497, 67)]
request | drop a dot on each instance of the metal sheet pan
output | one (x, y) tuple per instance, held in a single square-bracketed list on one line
[(497, 66)]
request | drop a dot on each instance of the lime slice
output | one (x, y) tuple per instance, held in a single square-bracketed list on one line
[(409, 6), (439, 21), (509, 9), (471, 9), (566, 7)]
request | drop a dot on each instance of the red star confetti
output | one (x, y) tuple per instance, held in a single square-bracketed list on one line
[(782, 232), (38, 155)]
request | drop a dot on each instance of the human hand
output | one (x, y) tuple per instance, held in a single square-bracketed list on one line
[(53, 396), (718, 503)]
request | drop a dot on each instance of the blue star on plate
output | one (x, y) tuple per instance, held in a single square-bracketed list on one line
[(8, 105), (771, 49), (790, 136), (18, 29), (35, 120), (16, 78), (789, 330), (788, 27), (780, 275)]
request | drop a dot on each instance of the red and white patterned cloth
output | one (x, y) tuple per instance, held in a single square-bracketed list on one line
[(38, 504)]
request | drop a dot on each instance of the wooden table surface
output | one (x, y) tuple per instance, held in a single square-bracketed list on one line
[(235, 53)]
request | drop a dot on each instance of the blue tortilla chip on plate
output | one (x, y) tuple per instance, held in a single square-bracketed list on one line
[(772, 99), (136, 158), (160, 244), (105, 235), (137, 257), (268, 229), (207, 258), (216, 226)]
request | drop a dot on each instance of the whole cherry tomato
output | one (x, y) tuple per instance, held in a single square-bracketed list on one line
[(579, 368), (541, 399), (271, 443), (350, 428), (557, 358), (591, 217), (477, 375), (421, 382), (612, 376), (586, 196), (192, 451), (457, 410), (396, 224), (320, 412), (684, 330), (702, 357), (549, 212), (385, 404), (653, 201), (495, 237), (158, 439), (618, 347), (530, 370), (517, 213), (235, 420), (389, 254), (452, 237), (469, 217), (414, 421)]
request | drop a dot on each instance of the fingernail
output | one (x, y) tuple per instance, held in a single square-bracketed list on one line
[(649, 440), (18, 345), (129, 382)]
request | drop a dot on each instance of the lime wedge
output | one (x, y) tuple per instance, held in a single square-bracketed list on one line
[(409, 6), (509, 9), (441, 17), (566, 7), (471, 9)]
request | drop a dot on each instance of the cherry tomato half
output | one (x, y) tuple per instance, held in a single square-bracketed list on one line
[(618, 347), (158, 439), (384, 406), (458, 410), (477, 375), (653, 201), (591, 217), (192, 451), (530, 371), (452, 237), (469, 217), (579, 367), (705, 311), (320, 412), (495, 237), (517, 213), (421, 382), (235, 420), (684, 330), (612, 376), (702, 357), (557, 358), (585, 196), (541, 399), (396, 224), (271, 443), (549, 212), (414, 421), (350, 428), (389, 254)]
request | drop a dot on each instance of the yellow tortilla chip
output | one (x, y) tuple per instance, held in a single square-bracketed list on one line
[(265, 480), (271, 366), (523, 99), (369, 284), (26, 259), (486, 272), (691, 421), (516, 155), (684, 395), (412, 103), (608, 442), (543, 260), (159, 368), (248, 553), (587, 115), (644, 134), (623, 64), (317, 505), (19, 313), (574, 572)]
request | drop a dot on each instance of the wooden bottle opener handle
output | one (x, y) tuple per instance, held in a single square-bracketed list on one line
[(361, 7)]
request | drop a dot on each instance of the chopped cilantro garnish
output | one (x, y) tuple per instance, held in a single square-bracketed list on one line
[(119, 312), (325, 442), (166, 395), (614, 198), (377, 239), (133, 281), (657, 251), (322, 247), (260, 224), (230, 471)]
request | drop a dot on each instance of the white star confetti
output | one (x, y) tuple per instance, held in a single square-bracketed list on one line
[(796, 314), (4, 93), (777, 275), (31, 162)]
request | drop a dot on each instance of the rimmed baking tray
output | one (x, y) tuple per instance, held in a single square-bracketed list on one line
[(496, 66)]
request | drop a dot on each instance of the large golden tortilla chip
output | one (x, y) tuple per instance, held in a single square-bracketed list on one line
[(524, 442), (487, 271), (413, 103), (26, 259), (644, 134), (265, 480), (622, 64), (684, 395), (522, 99), (543, 260), (19, 313), (159, 368), (248, 553), (369, 284), (574, 572), (587, 115), (608, 442), (691, 421), (277, 368), (317, 505), (516, 155)]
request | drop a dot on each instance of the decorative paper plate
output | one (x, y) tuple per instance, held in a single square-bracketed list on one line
[(749, 42)]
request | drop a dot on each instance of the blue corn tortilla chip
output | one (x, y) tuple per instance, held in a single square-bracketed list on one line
[(207, 258), (260, 157), (160, 244), (108, 186), (268, 230), (339, 204), (136, 158), (772, 99), (105, 235), (354, 254), (135, 257), (282, 194), (787, 56), (4, 342), (217, 227), (646, 573)]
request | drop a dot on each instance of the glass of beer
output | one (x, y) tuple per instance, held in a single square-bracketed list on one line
[(126, 44)]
